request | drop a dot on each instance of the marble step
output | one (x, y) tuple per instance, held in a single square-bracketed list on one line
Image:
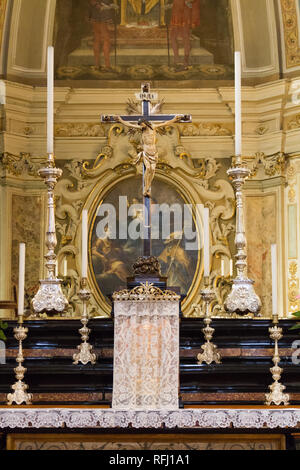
[(135, 39), (131, 56)]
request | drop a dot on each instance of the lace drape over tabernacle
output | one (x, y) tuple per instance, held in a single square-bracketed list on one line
[(146, 349)]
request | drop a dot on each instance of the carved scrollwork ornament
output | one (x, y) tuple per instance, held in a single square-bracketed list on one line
[(291, 32), (273, 165), (147, 265), (145, 292), (22, 164)]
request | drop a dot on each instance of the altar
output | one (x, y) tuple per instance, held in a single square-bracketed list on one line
[(220, 405), (108, 345)]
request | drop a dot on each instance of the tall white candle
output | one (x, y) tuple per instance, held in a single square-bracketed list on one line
[(274, 278), (222, 268), (50, 98), (238, 106), (206, 241), (230, 268), (21, 279), (65, 267), (84, 247)]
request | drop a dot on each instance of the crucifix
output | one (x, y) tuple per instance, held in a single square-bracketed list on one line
[(147, 123)]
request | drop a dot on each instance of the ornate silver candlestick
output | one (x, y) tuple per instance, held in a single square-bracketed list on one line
[(85, 350), (242, 299), (210, 351), (276, 395), (20, 394), (50, 297)]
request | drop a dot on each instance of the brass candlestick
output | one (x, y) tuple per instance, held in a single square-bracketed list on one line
[(276, 395), (242, 298), (85, 350), (210, 351), (50, 297), (20, 394)]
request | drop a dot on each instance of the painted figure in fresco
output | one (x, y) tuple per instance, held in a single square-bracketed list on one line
[(149, 153), (141, 13), (102, 15), (185, 15)]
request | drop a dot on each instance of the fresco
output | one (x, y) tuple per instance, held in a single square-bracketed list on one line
[(143, 39), (26, 228), (111, 259)]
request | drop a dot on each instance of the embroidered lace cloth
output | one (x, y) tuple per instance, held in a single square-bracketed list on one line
[(146, 355), (201, 418)]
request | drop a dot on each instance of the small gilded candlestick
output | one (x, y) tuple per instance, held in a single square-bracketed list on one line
[(210, 351), (276, 395), (85, 352), (20, 395)]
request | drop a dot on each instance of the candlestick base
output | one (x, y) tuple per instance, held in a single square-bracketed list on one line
[(242, 299), (210, 352), (20, 395), (49, 297), (85, 351), (276, 395)]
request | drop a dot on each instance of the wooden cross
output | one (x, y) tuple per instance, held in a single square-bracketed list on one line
[(146, 96)]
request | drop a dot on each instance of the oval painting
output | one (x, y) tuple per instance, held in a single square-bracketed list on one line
[(112, 253)]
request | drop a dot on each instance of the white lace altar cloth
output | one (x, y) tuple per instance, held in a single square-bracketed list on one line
[(199, 418), (146, 354)]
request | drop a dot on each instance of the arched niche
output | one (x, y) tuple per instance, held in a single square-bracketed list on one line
[(31, 31)]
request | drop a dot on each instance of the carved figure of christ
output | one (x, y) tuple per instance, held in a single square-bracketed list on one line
[(149, 154)]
